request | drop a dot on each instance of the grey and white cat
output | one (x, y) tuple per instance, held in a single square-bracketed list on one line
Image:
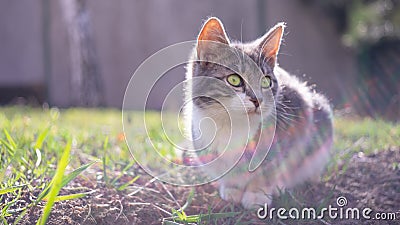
[(243, 87)]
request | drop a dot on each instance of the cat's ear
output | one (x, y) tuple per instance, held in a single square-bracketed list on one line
[(270, 43), (212, 32)]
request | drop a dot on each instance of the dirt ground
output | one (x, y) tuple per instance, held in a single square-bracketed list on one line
[(369, 181)]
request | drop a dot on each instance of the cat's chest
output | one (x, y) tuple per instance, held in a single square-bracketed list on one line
[(224, 132)]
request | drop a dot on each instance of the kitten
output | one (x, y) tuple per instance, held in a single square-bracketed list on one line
[(235, 90)]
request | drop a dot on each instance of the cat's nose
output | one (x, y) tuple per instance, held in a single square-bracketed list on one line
[(256, 101)]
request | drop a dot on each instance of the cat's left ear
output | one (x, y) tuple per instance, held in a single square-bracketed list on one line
[(270, 43)]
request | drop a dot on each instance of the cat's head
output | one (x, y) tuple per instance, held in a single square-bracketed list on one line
[(237, 76)]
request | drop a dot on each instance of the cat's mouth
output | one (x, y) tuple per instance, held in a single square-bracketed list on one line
[(254, 111)]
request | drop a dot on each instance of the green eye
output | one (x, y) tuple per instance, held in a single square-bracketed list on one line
[(234, 80), (266, 82)]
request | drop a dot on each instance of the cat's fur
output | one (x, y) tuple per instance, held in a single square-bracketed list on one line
[(303, 135)]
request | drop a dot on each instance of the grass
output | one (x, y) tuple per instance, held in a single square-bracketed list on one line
[(42, 150), (361, 136)]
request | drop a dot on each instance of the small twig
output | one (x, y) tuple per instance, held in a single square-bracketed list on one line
[(324, 222), (126, 218), (77, 188), (120, 211), (354, 145), (295, 199), (104, 205), (98, 196), (215, 206), (135, 187), (159, 208), (141, 188), (170, 195), (88, 215), (138, 203)]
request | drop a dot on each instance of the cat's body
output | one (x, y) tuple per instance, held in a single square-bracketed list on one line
[(250, 88)]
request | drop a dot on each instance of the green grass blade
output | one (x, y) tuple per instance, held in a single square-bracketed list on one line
[(10, 139), (181, 215), (75, 173), (20, 216), (6, 206), (44, 193), (15, 156), (72, 196), (122, 187), (105, 145), (41, 138), (8, 146), (3, 220), (57, 184), (66, 179), (126, 168), (11, 189), (188, 201), (3, 172), (207, 217)]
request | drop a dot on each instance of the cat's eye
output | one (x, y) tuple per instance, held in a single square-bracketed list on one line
[(266, 82), (234, 80)]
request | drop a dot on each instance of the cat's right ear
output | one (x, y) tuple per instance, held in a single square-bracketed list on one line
[(212, 34)]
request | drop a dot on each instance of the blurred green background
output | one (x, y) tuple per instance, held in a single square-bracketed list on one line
[(83, 52)]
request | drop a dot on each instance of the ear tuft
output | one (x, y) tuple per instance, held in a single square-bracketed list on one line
[(271, 42)]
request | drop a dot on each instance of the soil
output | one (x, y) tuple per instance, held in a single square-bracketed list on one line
[(367, 181)]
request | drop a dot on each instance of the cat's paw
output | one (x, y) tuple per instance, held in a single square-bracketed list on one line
[(255, 199), (230, 194)]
